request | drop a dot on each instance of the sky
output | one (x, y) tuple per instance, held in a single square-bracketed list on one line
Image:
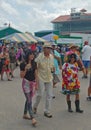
[(36, 15)]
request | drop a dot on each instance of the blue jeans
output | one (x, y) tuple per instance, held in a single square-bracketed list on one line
[(28, 104), (86, 63)]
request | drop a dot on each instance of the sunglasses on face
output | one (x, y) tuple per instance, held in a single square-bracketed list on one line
[(72, 57), (48, 47)]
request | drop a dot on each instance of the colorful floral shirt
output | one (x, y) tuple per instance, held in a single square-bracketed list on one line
[(70, 82)]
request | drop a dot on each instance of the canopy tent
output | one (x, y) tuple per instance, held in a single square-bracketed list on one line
[(20, 37), (5, 31), (30, 37), (35, 37), (40, 39), (49, 37)]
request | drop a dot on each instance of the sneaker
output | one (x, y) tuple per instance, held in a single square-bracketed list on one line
[(89, 98), (53, 97), (35, 110), (48, 115), (84, 76)]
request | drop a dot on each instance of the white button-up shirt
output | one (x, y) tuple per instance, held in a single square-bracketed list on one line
[(45, 66)]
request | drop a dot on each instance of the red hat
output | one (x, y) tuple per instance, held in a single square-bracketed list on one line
[(86, 43)]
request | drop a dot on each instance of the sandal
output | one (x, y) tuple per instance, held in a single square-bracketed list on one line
[(48, 115), (34, 122), (26, 117), (9, 80)]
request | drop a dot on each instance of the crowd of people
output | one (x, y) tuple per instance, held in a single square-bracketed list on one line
[(40, 68), (12, 55)]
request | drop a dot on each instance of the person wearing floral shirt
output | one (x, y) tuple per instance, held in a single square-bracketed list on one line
[(70, 81)]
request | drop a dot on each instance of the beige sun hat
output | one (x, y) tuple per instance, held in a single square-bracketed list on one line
[(73, 46), (47, 44)]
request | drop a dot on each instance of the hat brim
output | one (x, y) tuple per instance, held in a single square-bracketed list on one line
[(47, 47), (73, 46)]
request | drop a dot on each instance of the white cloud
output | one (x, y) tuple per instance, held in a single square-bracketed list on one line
[(27, 2), (23, 2), (64, 7), (40, 20), (3, 20), (36, 15), (8, 8)]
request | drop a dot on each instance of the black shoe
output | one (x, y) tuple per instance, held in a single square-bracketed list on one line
[(89, 98), (12, 76), (48, 115), (84, 77), (77, 104), (79, 111), (53, 97), (70, 110), (69, 106), (35, 110)]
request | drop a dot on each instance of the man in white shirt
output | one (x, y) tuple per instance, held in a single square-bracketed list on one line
[(86, 53), (45, 66)]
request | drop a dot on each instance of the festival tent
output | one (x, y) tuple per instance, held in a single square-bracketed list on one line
[(49, 37), (20, 37), (30, 37), (59, 39), (5, 31), (39, 39)]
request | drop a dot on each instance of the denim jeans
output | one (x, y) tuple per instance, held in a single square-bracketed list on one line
[(28, 104)]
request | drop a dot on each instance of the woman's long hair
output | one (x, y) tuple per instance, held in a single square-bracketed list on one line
[(72, 55), (27, 58)]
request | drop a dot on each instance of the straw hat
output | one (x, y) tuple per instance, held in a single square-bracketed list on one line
[(73, 46), (46, 44), (53, 44)]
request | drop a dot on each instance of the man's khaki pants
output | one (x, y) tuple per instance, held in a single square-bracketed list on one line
[(48, 88)]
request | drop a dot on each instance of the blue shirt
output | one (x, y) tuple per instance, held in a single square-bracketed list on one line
[(56, 65)]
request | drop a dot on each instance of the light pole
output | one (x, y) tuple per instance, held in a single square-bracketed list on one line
[(70, 27)]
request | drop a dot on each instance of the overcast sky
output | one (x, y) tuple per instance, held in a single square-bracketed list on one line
[(36, 15)]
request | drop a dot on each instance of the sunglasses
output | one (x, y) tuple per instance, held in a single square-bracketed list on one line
[(48, 47), (73, 57)]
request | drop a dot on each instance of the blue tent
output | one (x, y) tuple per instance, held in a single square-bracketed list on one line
[(49, 37)]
